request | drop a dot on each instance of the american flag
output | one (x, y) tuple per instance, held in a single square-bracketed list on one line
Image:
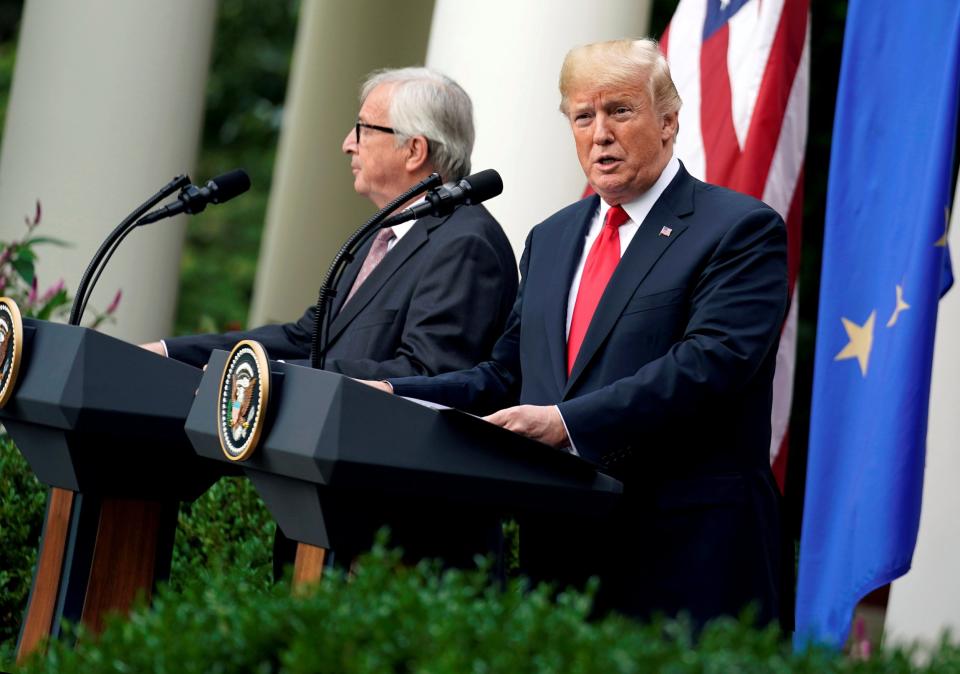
[(742, 68)]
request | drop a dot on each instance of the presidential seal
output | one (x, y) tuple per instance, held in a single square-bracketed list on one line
[(242, 406), (11, 347)]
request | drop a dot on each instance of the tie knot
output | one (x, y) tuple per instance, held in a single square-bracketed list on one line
[(616, 216), (384, 235)]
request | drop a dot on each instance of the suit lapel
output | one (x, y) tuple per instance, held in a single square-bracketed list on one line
[(647, 246), (400, 253), (568, 252)]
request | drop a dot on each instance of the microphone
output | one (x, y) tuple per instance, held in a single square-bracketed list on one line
[(193, 199), (441, 201)]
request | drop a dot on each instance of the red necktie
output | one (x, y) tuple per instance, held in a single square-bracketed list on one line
[(601, 261)]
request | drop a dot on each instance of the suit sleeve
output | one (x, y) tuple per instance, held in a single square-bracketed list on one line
[(455, 313), (286, 341), (490, 385), (737, 307)]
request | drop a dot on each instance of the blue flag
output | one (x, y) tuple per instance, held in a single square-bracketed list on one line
[(885, 266)]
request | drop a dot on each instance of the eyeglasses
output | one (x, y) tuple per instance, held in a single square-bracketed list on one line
[(385, 129)]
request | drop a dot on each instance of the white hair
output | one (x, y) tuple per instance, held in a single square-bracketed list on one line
[(427, 103)]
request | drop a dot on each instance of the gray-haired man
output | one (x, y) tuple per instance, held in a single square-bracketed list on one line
[(433, 295)]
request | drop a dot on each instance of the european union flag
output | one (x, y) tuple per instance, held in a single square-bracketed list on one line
[(885, 266)]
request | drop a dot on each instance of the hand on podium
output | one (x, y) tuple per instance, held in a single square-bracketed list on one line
[(379, 385), (542, 423), (155, 347)]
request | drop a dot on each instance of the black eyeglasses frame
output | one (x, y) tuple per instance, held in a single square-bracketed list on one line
[(375, 127)]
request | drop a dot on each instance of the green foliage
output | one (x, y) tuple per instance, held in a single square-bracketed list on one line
[(18, 278), (391, 618), (226, 528), (22, 504), (8, 53), (244, 109)]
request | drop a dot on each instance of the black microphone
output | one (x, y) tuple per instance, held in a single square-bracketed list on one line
[(441, 201), (193, 199)]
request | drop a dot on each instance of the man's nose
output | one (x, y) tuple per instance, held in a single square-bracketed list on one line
[(602, 132), (350, 142)]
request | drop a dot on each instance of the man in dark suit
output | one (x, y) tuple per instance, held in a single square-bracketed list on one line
[(421, 298), (439, 294), (643, 339)]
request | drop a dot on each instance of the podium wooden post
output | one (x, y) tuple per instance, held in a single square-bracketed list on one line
[(101, 422)]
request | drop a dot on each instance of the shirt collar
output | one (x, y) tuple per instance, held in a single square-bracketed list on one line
[(639, 207)]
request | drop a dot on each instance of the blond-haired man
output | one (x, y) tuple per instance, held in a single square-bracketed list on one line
[(644, 339)]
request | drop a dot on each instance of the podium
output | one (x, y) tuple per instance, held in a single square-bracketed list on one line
[(332, 445), (101, 422)]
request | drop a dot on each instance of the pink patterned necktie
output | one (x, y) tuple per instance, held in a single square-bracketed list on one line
[(377, 251)]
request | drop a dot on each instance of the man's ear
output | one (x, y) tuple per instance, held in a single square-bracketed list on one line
[(669, 125), (418, 153)]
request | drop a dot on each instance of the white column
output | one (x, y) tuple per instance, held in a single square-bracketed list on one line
[(106, 106), (926, 601), (507, 55), (313, 207)]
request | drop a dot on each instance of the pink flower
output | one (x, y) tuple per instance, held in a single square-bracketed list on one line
[(32, 296), (115, 302), (52, 291), (36, 216)]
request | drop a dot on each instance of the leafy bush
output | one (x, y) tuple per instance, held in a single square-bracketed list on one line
[(18, 278), (22, 504), (390, 618), (226, 528)]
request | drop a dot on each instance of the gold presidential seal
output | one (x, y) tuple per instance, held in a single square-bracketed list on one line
[(242, 401), (11, 347)]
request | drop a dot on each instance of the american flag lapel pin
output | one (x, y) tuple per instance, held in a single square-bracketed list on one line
[(666, 231)]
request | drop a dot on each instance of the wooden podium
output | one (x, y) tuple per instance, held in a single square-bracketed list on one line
[(101, 422)]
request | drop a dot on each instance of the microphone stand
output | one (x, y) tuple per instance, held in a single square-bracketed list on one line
[(345, 255), (110, 244)]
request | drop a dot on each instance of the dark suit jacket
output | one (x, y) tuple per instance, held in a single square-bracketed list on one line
[(671, 391), (437, 302)]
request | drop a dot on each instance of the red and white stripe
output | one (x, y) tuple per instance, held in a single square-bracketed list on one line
[(743, 125)]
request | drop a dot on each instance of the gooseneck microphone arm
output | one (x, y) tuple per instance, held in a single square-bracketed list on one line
[(318, 346), (110, 244), (192, 199)]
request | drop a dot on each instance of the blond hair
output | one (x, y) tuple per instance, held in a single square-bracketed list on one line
[(619, 63)]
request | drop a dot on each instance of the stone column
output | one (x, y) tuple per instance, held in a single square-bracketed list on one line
[(507, 55), (106, 106), (926, 601), (313, 207)]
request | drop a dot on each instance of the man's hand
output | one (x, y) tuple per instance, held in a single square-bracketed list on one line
[(538, 422), (156, 347), (380, 385)]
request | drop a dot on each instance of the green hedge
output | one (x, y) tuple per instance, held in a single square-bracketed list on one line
[(22, 504), (390, 618), (227, 527), (221, 613)]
